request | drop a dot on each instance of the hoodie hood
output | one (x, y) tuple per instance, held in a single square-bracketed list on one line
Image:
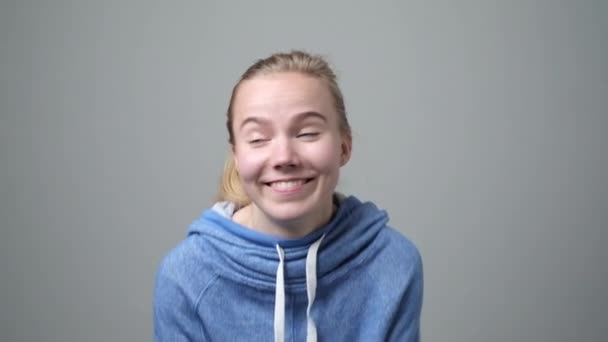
[(226, 282), (251, 257)]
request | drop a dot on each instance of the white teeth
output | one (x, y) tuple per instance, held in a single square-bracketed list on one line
[(287, 185)]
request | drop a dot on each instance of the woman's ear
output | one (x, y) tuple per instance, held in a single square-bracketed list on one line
[(346, 149), (233, 156)]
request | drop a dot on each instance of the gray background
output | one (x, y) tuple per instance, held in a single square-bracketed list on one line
[(480, 126)]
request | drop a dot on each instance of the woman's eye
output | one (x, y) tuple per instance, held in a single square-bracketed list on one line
[(308, 135), (255, 141)]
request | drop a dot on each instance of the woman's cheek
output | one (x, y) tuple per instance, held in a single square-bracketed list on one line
[(250, 164), (326, 156)]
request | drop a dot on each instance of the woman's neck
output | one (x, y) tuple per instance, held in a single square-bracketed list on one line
[(254, 218)]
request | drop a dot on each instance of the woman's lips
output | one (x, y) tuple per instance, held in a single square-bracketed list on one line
[(291, 185)]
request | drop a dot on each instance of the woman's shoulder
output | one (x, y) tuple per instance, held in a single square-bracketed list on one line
[(369, 223), (399, 244), (187, 264), (399, 259)]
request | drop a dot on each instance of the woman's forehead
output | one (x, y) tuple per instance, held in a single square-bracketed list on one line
[(283, 92)]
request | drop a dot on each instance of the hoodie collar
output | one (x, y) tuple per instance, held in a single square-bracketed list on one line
[(251, 257)]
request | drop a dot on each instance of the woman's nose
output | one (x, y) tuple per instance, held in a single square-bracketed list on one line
[(284, 154)]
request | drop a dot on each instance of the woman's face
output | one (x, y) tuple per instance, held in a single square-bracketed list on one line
[(288, 148)]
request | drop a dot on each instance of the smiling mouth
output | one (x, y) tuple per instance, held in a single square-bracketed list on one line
[(289, 185)]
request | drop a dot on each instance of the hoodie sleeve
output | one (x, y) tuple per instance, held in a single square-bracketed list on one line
[(175, 317), (406, 323)]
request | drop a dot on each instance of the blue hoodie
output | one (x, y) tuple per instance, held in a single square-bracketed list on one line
[(355, 279)]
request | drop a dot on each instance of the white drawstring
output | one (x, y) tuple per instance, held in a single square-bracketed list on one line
[(311, 289), (279, 299)]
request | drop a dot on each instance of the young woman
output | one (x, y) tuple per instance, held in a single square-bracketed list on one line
[(282, 255)]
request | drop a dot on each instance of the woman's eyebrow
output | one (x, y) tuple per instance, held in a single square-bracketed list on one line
[(310, 114), (254, 119), (298, 117)]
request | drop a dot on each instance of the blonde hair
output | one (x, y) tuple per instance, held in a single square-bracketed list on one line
[(294, 61)]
